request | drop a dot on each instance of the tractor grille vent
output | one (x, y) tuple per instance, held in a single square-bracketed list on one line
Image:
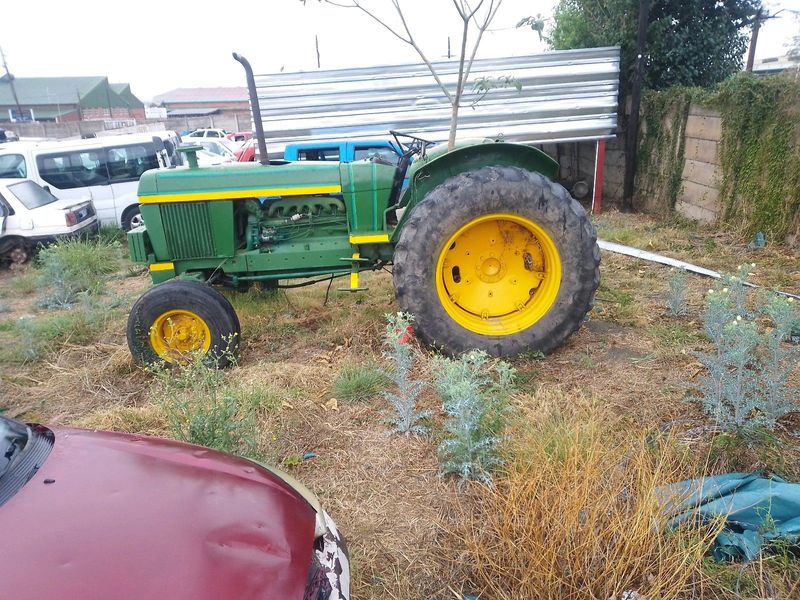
[(188, 229)]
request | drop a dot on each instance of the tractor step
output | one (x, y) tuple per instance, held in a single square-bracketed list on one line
[(354, 287)]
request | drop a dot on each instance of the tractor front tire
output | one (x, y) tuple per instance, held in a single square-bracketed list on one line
[(177, 319), (498, 259)]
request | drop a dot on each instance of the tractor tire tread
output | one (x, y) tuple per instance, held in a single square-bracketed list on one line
[(200, 298), (488, 190)]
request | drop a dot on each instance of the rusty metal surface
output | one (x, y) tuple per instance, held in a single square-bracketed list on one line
[(565, 96)]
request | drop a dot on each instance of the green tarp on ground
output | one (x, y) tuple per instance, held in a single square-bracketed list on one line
[(757, 509)]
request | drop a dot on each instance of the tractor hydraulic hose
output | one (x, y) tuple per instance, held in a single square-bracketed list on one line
[(254, 107)]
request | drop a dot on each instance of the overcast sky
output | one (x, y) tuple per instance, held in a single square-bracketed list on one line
[(157, 46)]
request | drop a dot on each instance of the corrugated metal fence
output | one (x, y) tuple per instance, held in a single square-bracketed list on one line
[(565, 95)]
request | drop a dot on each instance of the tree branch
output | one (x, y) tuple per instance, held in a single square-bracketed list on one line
[(490, 13), (408, 40)]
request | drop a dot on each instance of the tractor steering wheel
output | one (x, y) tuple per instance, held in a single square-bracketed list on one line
[(416, 146)]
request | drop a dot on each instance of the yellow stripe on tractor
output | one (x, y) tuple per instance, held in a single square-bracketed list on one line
[(238, 194)]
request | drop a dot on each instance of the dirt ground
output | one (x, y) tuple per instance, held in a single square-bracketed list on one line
[(384, 490)]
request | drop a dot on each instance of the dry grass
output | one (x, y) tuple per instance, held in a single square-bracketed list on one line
[(576, 515), (385, 491)]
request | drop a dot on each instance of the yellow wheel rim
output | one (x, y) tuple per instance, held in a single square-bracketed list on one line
[(176, 333), (498, 275)]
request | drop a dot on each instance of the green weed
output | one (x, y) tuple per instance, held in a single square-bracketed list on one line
[(111, 234), (673, 336), (41, 336), (202, 408), (73, 267), (676, 293), (359, 382), (22, 283)]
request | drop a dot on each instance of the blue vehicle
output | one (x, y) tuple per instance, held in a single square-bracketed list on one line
[(343, 151)]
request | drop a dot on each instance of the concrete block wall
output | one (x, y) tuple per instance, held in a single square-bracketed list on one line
[(702, 173)]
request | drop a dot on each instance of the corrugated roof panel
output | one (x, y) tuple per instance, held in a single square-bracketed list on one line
[(564, 95), (200, 95), (48, 90)]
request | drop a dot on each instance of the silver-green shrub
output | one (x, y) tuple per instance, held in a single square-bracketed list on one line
[(676, 293), (404, 399), (474, 392), (747, 375)]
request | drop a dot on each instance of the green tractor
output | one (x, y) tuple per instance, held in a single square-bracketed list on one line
[(487, 251)]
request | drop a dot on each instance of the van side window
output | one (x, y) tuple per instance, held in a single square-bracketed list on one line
[(329, 154), (13, 166), (127, 163), (68, 170)]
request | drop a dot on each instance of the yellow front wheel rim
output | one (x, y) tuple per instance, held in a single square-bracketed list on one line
[(176, 333), (498, 274)]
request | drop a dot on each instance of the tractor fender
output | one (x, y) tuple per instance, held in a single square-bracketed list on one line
[(428, 173)]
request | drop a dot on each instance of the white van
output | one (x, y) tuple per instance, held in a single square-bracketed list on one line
[(106, 169), (30, 216)]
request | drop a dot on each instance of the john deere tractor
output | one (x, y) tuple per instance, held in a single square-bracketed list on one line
[(487, 251)]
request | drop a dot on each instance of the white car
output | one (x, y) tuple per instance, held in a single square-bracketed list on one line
[(209, 159), (107, 169), (219, 148), (206, 133), (31, 216)]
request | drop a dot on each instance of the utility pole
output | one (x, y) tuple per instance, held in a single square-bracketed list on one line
[(316, 43), (11, 83), (751, 54), (632, 136), (760, 16)]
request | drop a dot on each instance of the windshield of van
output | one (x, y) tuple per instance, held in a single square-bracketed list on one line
[(13, 166), (31, 195)]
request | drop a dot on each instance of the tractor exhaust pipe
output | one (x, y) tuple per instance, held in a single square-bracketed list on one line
[(255, 108)]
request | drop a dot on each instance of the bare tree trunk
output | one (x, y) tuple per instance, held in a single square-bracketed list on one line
[(451, 140)]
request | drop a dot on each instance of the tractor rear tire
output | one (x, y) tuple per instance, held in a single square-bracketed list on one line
[(498, 259), (176, 319)]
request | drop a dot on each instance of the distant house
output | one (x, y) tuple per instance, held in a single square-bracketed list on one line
[(197, 102), (776, 64), (66, 99)]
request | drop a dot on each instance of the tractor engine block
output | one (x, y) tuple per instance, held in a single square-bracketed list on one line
[(293, 219)]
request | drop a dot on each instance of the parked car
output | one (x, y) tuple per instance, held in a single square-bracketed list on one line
[(215, 146), (247, 151), (107, 169), (343, 151), (8, 136), (96, 515), (31, 216), (240, 136), (207, 133), (328, 151), (208, 159)]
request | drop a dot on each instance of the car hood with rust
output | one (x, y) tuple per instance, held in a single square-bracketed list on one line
[(119, 516)]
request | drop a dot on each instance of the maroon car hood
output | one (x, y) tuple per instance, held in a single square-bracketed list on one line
[(120, 516)]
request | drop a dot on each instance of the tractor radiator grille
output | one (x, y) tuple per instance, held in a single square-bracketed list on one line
[(188, 229)]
